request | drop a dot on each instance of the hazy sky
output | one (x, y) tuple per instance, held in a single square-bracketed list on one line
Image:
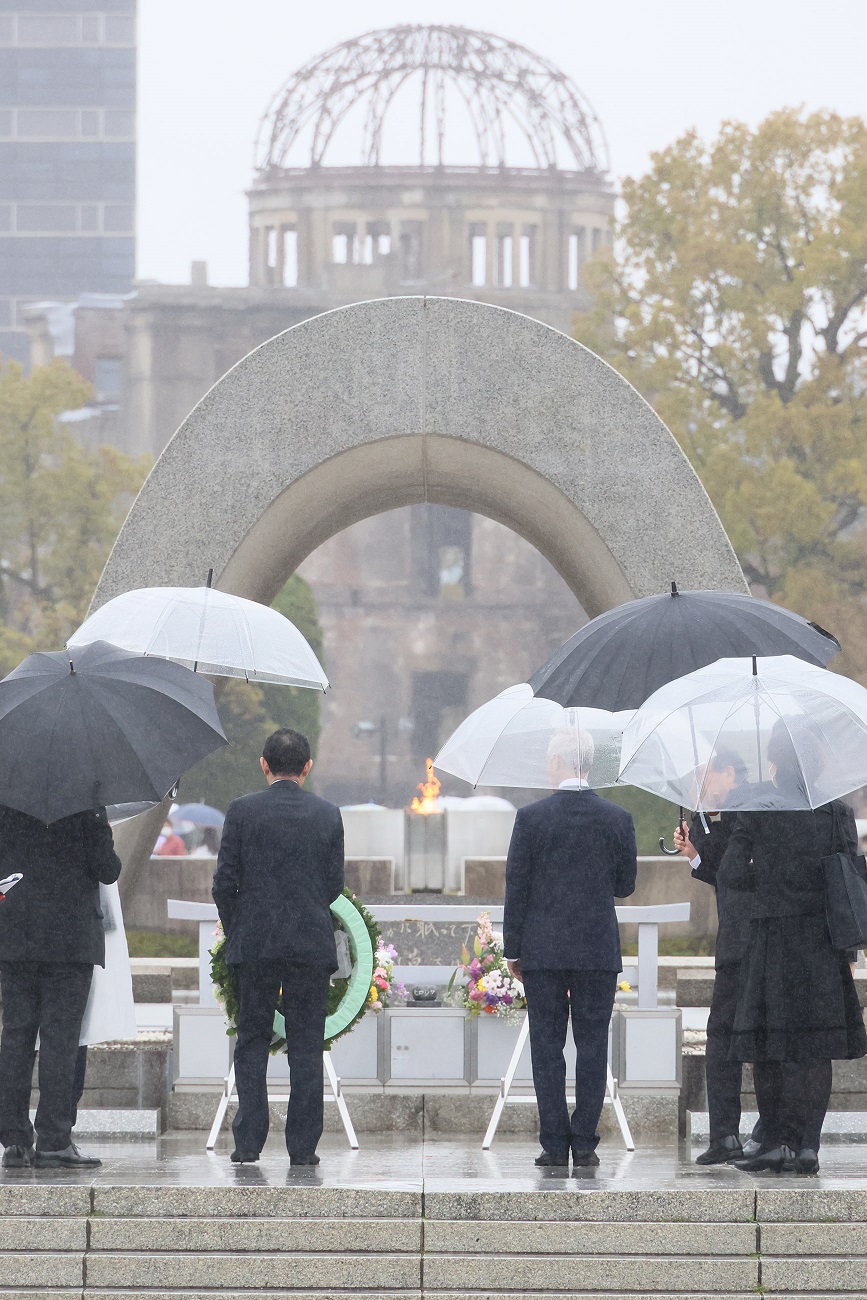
[(651, 69)]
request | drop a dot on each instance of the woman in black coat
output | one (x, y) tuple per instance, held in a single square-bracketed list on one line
[(798, 1008)]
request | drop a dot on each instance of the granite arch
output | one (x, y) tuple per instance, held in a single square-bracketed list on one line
[(403, 400)]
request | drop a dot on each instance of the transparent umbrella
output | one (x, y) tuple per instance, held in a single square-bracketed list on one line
[(795, 735), (215, 633), (506, 742)]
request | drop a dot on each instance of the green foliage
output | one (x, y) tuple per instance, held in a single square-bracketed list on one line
[(61, 506), (293, 706), (250, 712), (150, 943), (653, 817), (735, 301)]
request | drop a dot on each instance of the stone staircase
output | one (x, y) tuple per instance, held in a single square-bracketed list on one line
[(99, 1241)]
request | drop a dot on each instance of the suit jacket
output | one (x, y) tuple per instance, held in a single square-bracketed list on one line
[(53, 913), (734, 906), (279, 869), (570, 856), (779, 853)]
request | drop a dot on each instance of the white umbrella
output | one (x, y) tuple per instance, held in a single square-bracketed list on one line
[(795, 735), (506, 741), (218, 634)]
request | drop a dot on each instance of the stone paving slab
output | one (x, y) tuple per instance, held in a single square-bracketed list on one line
[(825, 1204), (42, 1269), (583, 1238), (114, 1293), (547, 1273), (20, 1234), (590, 1295), (21, 1195), (297, 1202), (816, 1239), (606, 1206), (841, 1276), (264, 1271), (267, 1234)]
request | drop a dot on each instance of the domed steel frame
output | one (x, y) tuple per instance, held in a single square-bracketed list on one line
[(504, 86)]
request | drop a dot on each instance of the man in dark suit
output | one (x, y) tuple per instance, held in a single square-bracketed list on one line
[(571, 854), (51, 937), (280, 868), (703, 846)]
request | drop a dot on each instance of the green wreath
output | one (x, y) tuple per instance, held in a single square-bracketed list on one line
[(348, 998)]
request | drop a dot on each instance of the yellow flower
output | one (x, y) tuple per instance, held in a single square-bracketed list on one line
[(625, 986), (373, 995)]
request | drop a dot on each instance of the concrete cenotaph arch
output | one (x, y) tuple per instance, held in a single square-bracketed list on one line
[(404, 400)]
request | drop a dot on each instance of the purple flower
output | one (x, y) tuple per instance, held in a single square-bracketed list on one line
[(508, 999)]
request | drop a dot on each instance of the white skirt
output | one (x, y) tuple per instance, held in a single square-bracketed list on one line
[(110, 1012)]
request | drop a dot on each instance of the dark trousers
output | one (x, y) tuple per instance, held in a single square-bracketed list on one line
[(793, 1099), (48, 999), (304, 1009), (724, 1076), (551, 996)]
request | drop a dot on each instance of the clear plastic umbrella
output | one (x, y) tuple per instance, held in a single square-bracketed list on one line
[(793, 735), (507, 741), (215, 633)]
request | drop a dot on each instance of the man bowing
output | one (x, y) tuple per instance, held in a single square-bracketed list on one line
[(279, 869), (570, 855)]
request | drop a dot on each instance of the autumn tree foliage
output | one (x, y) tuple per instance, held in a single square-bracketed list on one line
[(734, 300)]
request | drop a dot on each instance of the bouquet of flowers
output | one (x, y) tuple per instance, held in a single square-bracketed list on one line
[(383, 987), (490, 989)]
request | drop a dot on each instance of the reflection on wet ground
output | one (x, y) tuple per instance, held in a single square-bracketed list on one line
[(439, 1162)]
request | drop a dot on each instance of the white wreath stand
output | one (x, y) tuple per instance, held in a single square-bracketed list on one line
[(230, 1091), (612, 1096)]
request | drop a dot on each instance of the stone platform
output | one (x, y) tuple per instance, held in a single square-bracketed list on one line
[(433, 1217)]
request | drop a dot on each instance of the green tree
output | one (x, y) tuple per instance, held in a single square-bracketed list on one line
[(61, 506), (250, 713), (734, 300)]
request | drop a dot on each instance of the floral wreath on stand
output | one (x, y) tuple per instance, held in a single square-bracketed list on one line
[(489, 988), (369, 987)]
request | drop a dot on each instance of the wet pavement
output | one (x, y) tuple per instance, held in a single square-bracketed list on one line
[(439, 1163)]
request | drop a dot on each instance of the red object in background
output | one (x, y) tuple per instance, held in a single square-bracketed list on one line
[(172, 847)]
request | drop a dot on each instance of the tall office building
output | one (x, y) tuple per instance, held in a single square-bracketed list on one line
[(67, 155)]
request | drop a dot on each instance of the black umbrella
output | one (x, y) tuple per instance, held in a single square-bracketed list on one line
[(620, 658), (100, 726)]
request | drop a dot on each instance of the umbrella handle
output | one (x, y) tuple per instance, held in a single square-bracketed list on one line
[(671, 853)]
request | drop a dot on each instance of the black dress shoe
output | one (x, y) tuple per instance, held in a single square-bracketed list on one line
[(720, 1153), (807, 1162), (244, 1157), (312, 1159), (776, 1160), (17, 1157), (69, 1158), (584, 1158), (546, 1160)]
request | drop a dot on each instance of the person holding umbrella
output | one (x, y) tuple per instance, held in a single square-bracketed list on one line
[(51, 937), (798, 1009), (703, 844), (106, 727)]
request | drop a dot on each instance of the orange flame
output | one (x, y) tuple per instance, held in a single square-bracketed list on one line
[(429, 790)]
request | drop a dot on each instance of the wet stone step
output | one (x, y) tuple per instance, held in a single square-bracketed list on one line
[(614, 1274), (589, 1238), (271, 1234), (265, 1271)]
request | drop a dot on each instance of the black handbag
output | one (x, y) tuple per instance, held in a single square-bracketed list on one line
[(845, 892)]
